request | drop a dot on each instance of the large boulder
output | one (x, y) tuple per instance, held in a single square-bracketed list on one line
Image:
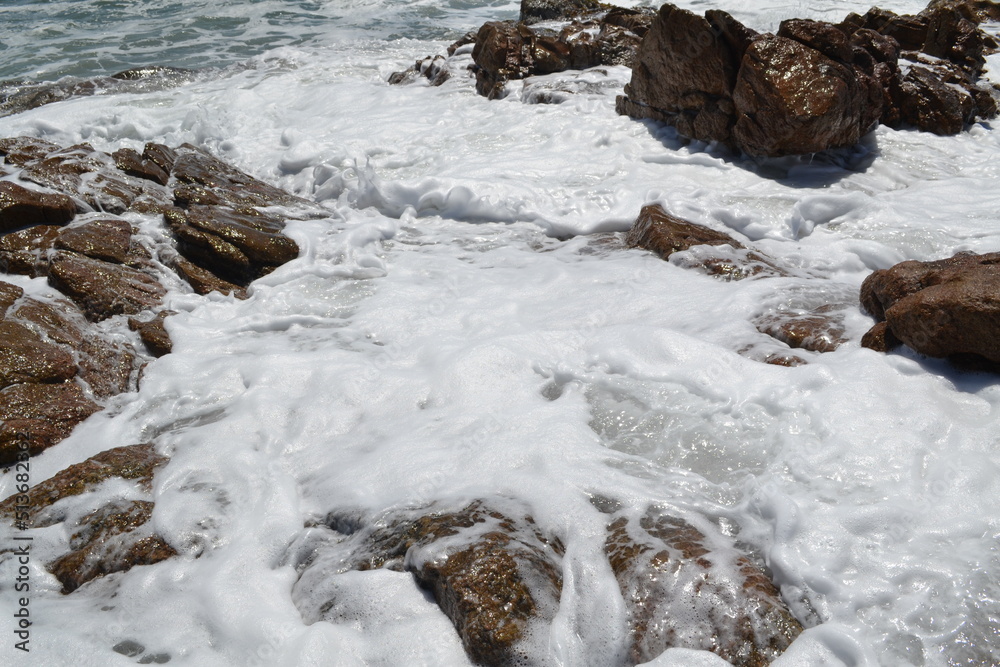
[(944, 308), (683, 589), (814, 85)]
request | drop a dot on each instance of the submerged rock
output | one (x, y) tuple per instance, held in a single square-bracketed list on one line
[(662, 233), (491, 570), (113, 538), (817, 330), (945, 308), (685, 590)]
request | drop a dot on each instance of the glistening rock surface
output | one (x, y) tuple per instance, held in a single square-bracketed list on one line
[(944, 308)]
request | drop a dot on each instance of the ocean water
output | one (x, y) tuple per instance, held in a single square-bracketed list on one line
[(466, 323)]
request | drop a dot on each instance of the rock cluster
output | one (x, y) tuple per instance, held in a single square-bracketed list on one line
[(593, 34), (813, 85), (115, 536), (498, 577), (946, 308), (60, 218)]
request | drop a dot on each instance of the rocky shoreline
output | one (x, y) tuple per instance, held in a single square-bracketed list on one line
[(494, 572)]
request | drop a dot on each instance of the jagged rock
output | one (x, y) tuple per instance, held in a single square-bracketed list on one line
[(103, 289), (21, 150), (204, 281), (24, 252), (685, 590), (817, 330), (113, 538), (235, 188), (8, 295), (685, 71), (488, 565), (533, 11), (153, 334), (20, 207), (434, 69), (160, 155), (973, 10), (133, 164), (880, 338), (664, 234), (793, 100), (811, 87), (946, 308), (39, 415)]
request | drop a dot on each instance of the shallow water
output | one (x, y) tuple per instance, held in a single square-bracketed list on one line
[(465, 323)]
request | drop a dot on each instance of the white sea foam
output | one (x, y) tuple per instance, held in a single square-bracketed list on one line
[(459, 327)]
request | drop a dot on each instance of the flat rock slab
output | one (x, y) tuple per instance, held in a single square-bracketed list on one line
[(103, 289), (21, 207), (40, 415)]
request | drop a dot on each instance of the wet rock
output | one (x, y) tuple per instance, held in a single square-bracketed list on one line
[(235, 188), (160, 155), (132, 462), (25, 252), (204, 281), (702, 247), (153, 334), (108, 240), (21, 150), (664, 234), (817, 330), (973, 10), (489, 567), (434, 69), (533, 11), (685, 71), (793, 100), (814, 85), (105, 365), (24, 357), (20, 207), (103, 289), (8, 295), (39, 415), (945, 308), (685, 590), (112, 538), (880, 338), (133, 164)]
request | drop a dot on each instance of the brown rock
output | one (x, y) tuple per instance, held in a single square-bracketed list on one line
[(818, 330), (204, 281), (684, 590), (108, 240), (20, 207), (821, 36), (114, 538), (39, 415), (103, 289), (684, 73), (664, 234), (160, 155), (24, 252), (945, 308), (24, 357), (492, 572), (235, 188), (8, 295), (136, 462), (930, 104), (21, 150), (793, 100), (954, 38), (153, 334), (134, 164), (257, 236), (434, 69)]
